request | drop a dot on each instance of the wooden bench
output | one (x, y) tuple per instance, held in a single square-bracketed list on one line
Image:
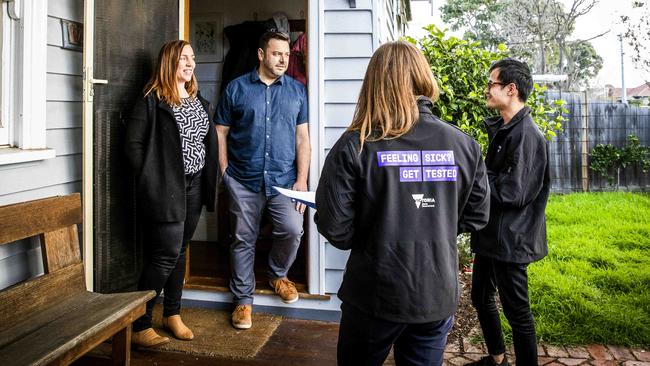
[(52, 319)]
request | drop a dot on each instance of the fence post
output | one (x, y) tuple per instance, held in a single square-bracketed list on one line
[(585, 143)]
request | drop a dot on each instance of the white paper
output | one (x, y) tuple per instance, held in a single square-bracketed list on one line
[(308, 198)]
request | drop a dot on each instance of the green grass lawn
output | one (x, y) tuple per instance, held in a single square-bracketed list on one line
[(594, 286)]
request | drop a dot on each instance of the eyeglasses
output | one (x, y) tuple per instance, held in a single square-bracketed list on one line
[(491, 83)]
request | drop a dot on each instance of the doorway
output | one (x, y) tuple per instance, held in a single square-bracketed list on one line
[(208, 266)]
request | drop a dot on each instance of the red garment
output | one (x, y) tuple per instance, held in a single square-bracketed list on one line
[(297, 69)]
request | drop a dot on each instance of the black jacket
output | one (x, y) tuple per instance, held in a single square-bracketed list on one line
[(403, 265), (244, 42), (518, 167), (153, 148)]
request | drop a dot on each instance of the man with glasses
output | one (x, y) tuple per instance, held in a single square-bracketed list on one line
[(518, 170), (262, 120)]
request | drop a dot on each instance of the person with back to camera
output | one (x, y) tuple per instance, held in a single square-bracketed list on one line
[(171, 145), (396, 189), (517, 161)]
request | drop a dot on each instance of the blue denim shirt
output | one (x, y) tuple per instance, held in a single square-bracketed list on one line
[(262, 136)]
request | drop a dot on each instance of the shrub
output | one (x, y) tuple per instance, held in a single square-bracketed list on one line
[(465, 255), (461, 67), (606, 158)]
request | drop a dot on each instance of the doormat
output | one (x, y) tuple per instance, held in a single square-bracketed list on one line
[(215, 337)]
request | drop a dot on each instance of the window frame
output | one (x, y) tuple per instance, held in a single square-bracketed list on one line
[(6, 97), (23, 81)]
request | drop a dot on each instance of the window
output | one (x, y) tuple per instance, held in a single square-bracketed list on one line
[(23, 49), (5, 68)]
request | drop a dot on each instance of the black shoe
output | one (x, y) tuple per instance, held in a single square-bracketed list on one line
[(488, 361)]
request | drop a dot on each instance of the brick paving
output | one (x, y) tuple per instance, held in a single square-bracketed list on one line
[(463, 352)]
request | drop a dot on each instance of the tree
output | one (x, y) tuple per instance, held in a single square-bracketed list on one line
[(531, 27), (637, 33), (582, 64), (534, 27), (461, 69), (535, 31), (477, 17)]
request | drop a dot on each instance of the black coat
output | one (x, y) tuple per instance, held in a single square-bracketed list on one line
[(518, 167), (242, 56), (403, 266), (153, 148)]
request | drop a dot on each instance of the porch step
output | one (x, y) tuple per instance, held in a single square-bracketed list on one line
[(261, 287)]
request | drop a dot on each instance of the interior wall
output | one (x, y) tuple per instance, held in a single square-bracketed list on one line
[(209, 73), (235, 12)]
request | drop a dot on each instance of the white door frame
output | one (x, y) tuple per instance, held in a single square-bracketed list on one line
[(315, 42), (87, 130), (316, 251), (181, 18), (88, 154)]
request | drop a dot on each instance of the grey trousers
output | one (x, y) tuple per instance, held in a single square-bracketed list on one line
[(246, 210)]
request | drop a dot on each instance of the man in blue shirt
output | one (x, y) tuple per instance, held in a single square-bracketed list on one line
[(262, 119)]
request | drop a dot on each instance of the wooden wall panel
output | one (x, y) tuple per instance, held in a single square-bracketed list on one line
[(347, 21), (66, 141), (335, 258), (339, 114), (348, 45), (63, 88), (41, 192), (342, 91), (345, 4), (333, 280), (54, 37), (62, 61), (353, 68), (63, 114), (66, 9), (60, 170)]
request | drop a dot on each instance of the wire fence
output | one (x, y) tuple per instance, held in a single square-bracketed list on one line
[(593, 122)]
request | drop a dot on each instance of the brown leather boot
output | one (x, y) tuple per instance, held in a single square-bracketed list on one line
[(285, 288), (177, 327), (147, 338), (242, 317)]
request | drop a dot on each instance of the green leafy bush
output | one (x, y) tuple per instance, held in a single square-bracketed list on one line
[(606, 159), (461, 69), (465, 254)]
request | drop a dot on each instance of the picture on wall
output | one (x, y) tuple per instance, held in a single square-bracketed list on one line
[(72, 33), (206, 36)]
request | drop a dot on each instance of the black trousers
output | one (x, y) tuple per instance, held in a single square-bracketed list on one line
[(165, 244), (511, 281), (366, 340)]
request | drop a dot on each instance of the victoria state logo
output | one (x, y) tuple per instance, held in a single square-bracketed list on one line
[(421, 201)]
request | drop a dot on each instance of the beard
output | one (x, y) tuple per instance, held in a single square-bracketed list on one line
[(274, 69)]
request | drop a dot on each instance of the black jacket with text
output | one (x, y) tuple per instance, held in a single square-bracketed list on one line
[(153, 149), (518, 168), (398, 206)]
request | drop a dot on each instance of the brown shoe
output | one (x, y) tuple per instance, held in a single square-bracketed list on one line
[(286, 289), (242, 317), (147, 338), (177, 327)]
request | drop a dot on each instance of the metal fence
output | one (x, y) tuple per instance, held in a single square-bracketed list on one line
[(593, 122)]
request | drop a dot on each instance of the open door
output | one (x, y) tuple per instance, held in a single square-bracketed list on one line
[(209, 255), (126, 40)]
